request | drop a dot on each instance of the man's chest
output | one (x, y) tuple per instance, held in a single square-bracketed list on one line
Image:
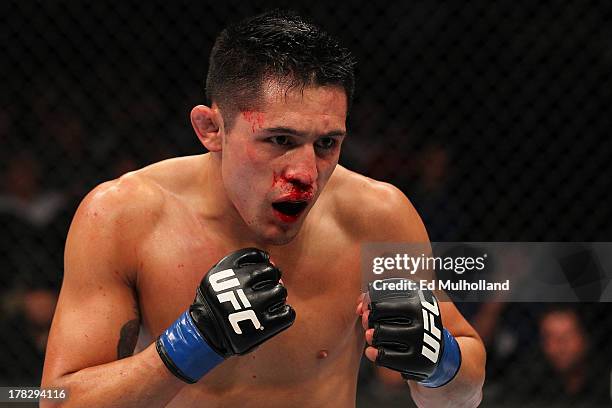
[(322, 280)]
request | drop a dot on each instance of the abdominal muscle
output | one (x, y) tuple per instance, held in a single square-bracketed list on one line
[(318, 392), (265, 378)]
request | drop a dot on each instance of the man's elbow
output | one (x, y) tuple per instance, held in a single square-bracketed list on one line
[(477, 399), (59, 382), (470, 399), (475, 381)]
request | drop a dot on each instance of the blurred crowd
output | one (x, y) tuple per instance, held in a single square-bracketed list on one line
[(54, 157)]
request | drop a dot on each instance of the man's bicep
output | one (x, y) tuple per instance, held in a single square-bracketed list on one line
[(91, 332), (97, 319)]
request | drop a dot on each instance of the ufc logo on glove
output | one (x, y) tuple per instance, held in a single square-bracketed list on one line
[(430, 311), (230, 296)]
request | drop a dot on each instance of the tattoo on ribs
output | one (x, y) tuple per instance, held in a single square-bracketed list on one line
[(127, 338)]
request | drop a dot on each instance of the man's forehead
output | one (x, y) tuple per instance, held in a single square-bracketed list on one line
[(328, 99), (311, 109)]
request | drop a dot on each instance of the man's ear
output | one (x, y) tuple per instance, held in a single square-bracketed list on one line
[(208, 124)]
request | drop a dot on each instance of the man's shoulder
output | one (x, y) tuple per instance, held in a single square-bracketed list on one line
[(175, 175), (366, 193), (372, 209), (139, 195), (143, 191), (117, 203)]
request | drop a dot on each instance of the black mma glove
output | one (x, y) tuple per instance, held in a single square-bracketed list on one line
[(408, 332), (239, 304)]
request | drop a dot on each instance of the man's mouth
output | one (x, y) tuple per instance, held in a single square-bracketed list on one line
[(289, 211)]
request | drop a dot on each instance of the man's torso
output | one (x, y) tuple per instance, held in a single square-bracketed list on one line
[(316, 360)]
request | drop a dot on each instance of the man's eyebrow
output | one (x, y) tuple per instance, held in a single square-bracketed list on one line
[(290, 131)]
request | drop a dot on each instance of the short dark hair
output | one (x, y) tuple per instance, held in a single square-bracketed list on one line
[(276, 45)]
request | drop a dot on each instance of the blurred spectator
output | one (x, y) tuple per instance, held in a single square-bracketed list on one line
[(567, 349), (565, 370)]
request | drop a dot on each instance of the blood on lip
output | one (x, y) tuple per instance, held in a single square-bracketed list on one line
[(286, 217)]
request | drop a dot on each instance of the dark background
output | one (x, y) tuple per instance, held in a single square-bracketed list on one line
[(493, 117)]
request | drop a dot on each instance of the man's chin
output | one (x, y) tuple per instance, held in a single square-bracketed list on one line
[(278, 236)]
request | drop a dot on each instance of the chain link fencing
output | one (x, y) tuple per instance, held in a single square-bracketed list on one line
[(493, 117)]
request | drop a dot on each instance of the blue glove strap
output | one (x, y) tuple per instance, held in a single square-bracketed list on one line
[(449, 363), (187, 349)]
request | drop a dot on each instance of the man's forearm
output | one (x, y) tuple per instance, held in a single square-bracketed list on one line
[(465, 390), (138, 381)]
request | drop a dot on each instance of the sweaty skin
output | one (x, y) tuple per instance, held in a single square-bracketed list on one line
[(139, 246)]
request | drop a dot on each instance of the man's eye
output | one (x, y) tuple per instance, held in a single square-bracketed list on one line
[(326, 143), (280, 140)]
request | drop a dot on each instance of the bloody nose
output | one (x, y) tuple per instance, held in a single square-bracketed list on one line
[(302, 171)]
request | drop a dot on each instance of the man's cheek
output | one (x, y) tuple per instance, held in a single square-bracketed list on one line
[(251, 153)]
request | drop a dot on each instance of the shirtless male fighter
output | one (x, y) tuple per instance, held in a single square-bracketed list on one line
[(269, 196)]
